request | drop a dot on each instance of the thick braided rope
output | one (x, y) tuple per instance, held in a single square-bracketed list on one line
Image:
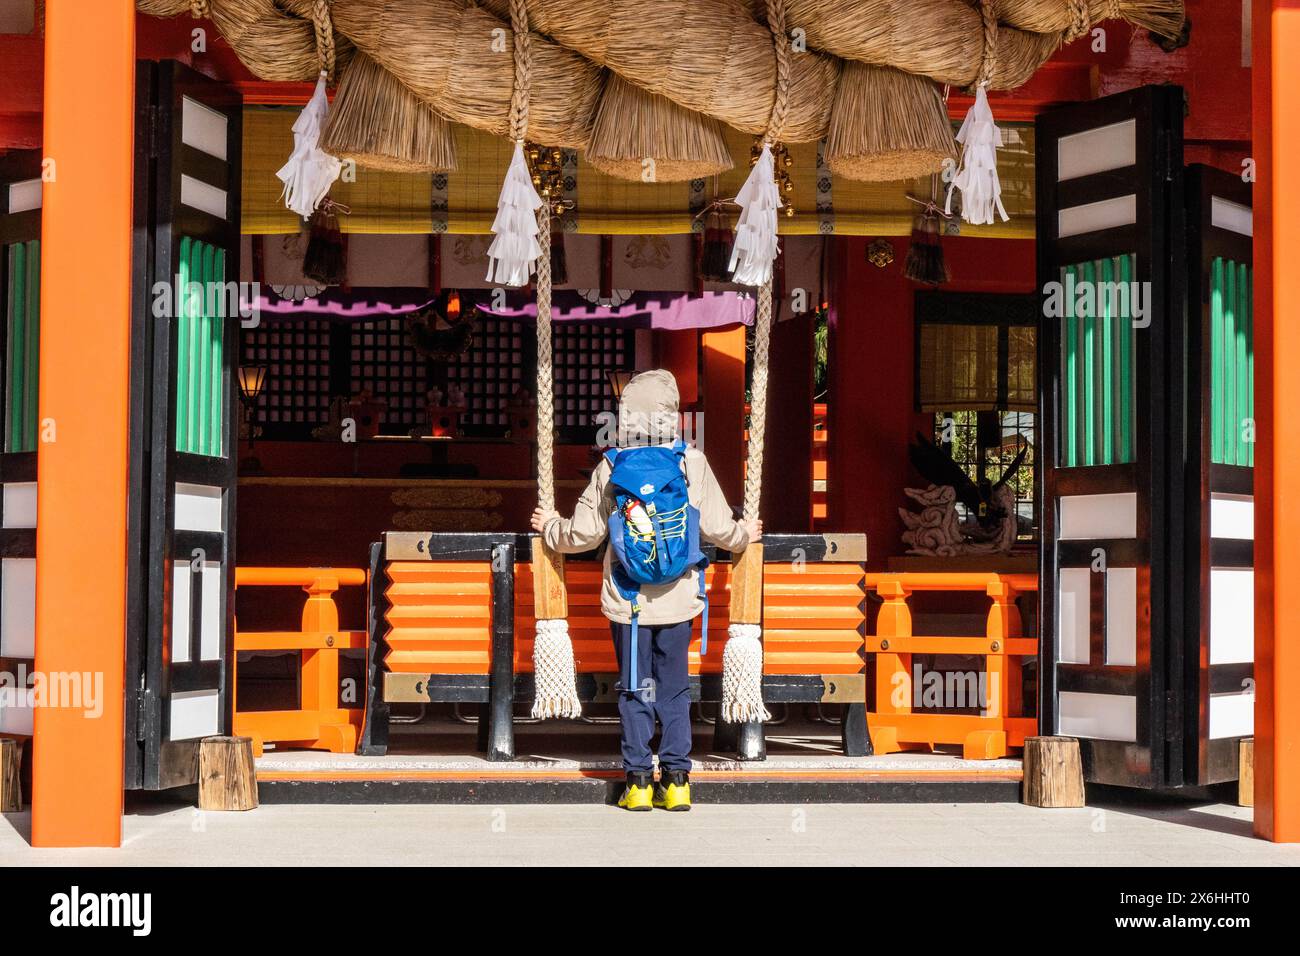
[(545, 373), (781, 41), (989, 61), (1081, 20), (323, 25), (763, 321), (758, 405), (523, 70), (200, 9)]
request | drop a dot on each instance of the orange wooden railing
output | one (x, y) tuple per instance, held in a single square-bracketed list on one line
[(895, 725), (320, 723)]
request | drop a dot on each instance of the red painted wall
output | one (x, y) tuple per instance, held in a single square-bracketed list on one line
[(872, 355)]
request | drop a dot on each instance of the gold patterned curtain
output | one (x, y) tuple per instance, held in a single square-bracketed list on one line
[(464, 202)]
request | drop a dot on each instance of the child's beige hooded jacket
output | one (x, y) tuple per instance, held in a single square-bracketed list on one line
[(648, 414)]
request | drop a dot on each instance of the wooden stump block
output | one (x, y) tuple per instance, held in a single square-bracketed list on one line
[(1246, 775), (226, 777), (1053, 772), (11, 790)]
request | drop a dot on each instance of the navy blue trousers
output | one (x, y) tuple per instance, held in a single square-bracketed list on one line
[(664, 693)]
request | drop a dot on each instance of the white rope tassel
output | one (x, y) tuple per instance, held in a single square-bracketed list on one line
[(755, 246), (742, 675), (556, 693), (977, 178), (310, 171), (514, 251)]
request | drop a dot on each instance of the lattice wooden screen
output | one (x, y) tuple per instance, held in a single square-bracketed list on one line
[(384, 361), (297, 357)]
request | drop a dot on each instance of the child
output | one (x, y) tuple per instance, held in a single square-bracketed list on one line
[(648, 416)]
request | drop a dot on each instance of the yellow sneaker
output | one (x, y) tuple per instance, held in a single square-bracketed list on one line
[(673, 792), (638, 794)]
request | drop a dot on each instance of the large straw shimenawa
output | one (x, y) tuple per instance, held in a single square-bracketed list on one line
[(712, 57)]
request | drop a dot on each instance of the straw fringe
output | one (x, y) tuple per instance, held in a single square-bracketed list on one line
[(380, 124), (887, 125), (633, 126)]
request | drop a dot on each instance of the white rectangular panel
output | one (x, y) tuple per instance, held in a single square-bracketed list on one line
[(1097, 716), (181, 578), (24, 196), (212, 623), (198, 508), (1091, 517), (20, 504), (1232, 516), (1072, 616), (1097, 150), (16, 710), (1232, 216), (18, 607), (201, 196), (1121, 616), (203, 128), (1232, 616), (1232, 715), (1096, 216), (195, 713)]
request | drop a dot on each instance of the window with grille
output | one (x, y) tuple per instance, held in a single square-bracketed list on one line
[(384, 363), (977, 372), (501, 358), (310, 361), (297, 359), (957, 433), (583, 355)]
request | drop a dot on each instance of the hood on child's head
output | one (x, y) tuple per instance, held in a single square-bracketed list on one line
[(647, 412)]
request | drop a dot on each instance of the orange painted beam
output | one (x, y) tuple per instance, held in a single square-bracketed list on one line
[(84, 384), (1275, 102)]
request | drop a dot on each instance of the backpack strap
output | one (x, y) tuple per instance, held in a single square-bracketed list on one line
[(633, 685), (704, 620)]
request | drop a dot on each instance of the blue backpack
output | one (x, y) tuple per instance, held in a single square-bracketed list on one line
[(654, 529)]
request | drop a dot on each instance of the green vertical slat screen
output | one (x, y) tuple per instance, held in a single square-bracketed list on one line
[(199, 350), (1097, 379), (1232, 364), (23, 349)]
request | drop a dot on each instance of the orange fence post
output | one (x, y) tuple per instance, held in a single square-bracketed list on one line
[(896, 724), (320, 723)]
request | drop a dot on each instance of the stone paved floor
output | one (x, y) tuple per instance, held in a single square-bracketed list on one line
[(875, 835)]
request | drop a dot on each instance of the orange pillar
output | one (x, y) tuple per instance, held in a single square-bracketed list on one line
[(84, 383), (723, 391), (1276, 98)]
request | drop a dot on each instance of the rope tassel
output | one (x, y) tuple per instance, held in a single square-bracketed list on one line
[(554, 672), (310, 171), (977, 178), (742, 675), (756, 246)]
